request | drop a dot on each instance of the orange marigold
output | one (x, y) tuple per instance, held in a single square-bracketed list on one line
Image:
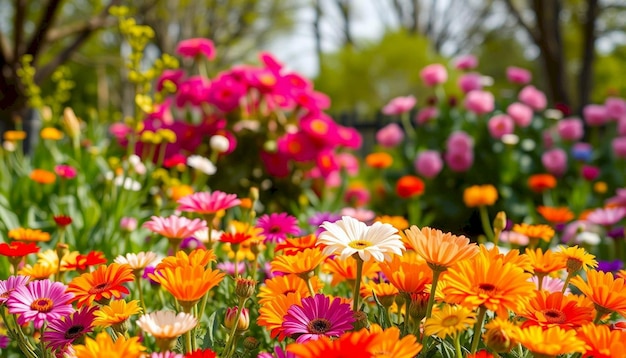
[(556, 215), (187, 283), (550, 342), (545, 262), (480, 195), (43, 176), (544, 232), (541, 182), (380, 160)]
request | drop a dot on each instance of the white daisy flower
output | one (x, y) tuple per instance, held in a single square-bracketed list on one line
[(202, 164), (348, 236), (137, 261), (167, 324)]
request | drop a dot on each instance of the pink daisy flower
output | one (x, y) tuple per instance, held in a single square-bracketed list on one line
[(208, 203), (4, 341), (175, 227), (64, 331), (167, 354), (40, 301), (10, 284), (318, 317), (606, 216), (277, 226)]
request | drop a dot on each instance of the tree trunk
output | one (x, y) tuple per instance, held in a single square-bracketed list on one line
[(585, 79)]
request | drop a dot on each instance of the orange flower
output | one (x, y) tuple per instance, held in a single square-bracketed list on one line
[(22, 234), (602, 342), (541, 182), (284, 285), (272, 312), (291, 245), (577, 258), (187, 283), (536, 232), (545, 262), (353, 344), (101, 285), (513, 256), (301, 262), (438, 249), (14, 136), (51, 133), (606, 292), (407, 273), (622, 274), (555, 309), (199, 257), (177, 192), (42, 176), (343, 270), (501, 335), (389, 344), (553, 341), (384, 291), (380, 160), (496, 285), (480, 195), (409, 186), (556, 215)]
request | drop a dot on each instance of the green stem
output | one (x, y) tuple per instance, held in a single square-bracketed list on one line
[(478, 327), (357, 283), (309, 285), (431, 301), (233, 330), (566, 283), (457, 346), (484, 218), (138, 284)]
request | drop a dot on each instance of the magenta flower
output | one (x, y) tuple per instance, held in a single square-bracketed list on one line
[(399, 105), (518, 75), (619, 147), (595, 115), (196, 47), (208, 202), (172, 76), (434, 74), (10, 284), (175, 227), (500, 125), (128, 224), (459, 141), (357, 196), (555, 161), (426, 114), (470, 81), (590, 172), (277, 226), (40, 301), (606, 216), (459, 161), (522, 114), (65, 171), (318, 317), (4, 341), (533, 97), (428, 163), (390, 135), (479, 102), (66, 330), (465, 62), (570, 129)]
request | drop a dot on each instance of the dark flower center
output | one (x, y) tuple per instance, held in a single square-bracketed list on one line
[(319, 326), (554, 316), (275, 229), (487, 287), (74, 332), (43, 305), (99, 288)]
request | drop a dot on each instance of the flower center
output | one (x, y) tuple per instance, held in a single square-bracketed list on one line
[(98, 288), (74, 332), (43, 305), (275, 229), (486, 287), (319, 326), (450, 321), (554, 316), (359, 244)]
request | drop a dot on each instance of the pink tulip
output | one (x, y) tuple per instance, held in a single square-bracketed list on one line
[(518, 75), (428, 163), (434, 74), (459, 141), (570, 129), (466, 62), (615, 107), (399, 105), (595, 115), (390, 135), (619, 147), (500, 125), (426, 114), (555, 161), (470, 81), (480, 102), (533, 97), (522, 114)]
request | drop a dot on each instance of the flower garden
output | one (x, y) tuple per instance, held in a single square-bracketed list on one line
[(232, 216)]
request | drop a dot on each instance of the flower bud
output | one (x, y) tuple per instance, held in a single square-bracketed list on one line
[(71, 123), (230, 319), (499, 223), (498, 340), (251, 343), (219, 143), (245, 287)]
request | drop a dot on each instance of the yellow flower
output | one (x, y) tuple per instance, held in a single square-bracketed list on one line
[(501, 335), (116, 312), (480, 195), (22, 234), (104, 346), (550, 342), (177, 192), (449, 321), (38, 271), (51, 133), (544, 232), (14, 136), (577, 258)]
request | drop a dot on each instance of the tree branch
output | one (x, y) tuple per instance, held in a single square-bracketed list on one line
[(518, 17), (45, 23), (93, 24), (18, 28)]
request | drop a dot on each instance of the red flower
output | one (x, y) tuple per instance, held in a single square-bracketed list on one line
[(62, 220), (234, 238), (82, 262), (201, 353), (18, 249), (409, 186)]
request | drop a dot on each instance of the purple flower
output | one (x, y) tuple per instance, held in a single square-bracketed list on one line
[(319, 218), (610, 266), (278, 353), (470, 81), (615, 107), (40, 301), (616, 233), (466, 62), (68, 329), (318, 317), (582, 151), (10, 284), (4, 342), (426, 114), (619, 147), (277, 226), (595, 115), (146, 275)]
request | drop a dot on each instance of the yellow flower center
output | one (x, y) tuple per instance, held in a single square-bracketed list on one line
[(450, 321), (359, 244), (43, 305)]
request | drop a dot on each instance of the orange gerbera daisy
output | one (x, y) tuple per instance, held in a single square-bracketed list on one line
[(576, 258), (622, 274), (550, 342), (22, 234), (482, 281), (384, 291), (187, 283), (535, 232), (438, 249), (345, 270), (541, 182), (545, 262), (389, 344), (602, 342), (513, 256), (407, 274), (353, 344), (606, 292), (480, 195), (198, 257), (104, 283), (555, 309), (301, 263), (380, 160), (116, 313), (291, 245), (284, 285), (43, 176), (556, 215), (272, 312), (104, 346)]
